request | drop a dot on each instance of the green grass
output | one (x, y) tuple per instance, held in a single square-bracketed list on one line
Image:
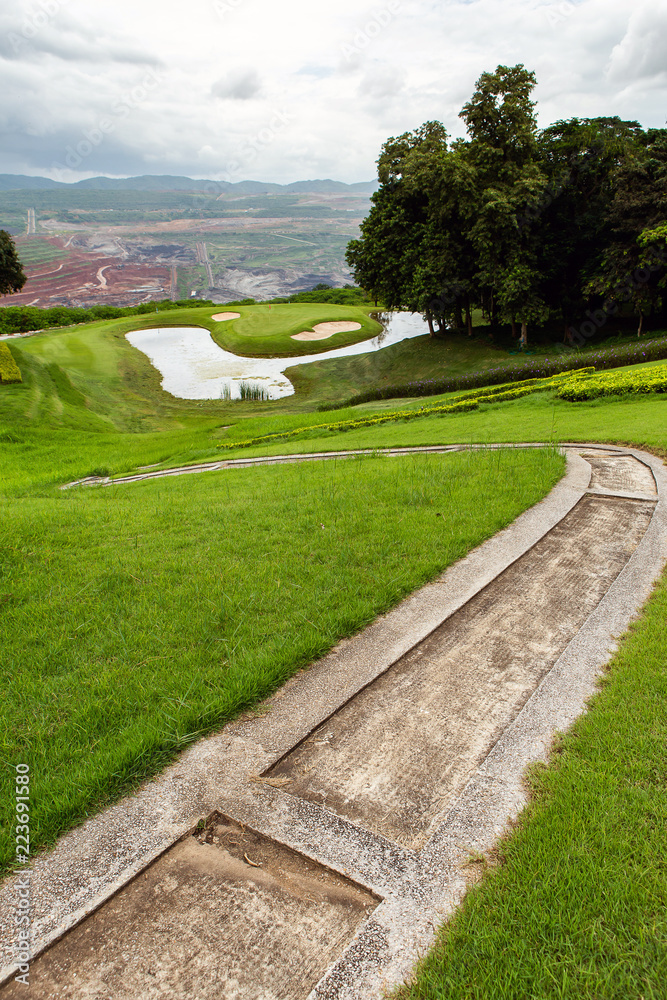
[(137, 618), (267, 330), (326, 382), (577, 907)]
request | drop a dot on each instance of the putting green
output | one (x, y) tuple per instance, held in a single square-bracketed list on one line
[(267, 330)]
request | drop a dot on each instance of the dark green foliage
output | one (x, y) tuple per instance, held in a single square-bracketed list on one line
[(606, 357), (12, 278), (526, 225)]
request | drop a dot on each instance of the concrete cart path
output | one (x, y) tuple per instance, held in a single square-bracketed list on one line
[(310, 851), (244, 463)]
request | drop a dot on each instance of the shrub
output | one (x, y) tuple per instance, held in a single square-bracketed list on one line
[(614, 384), (459, 404), (9, 370), (604, 357)]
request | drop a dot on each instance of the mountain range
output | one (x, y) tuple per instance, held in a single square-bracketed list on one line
[(150, 182)]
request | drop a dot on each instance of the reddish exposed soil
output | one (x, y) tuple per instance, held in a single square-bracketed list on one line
[(84, 279)]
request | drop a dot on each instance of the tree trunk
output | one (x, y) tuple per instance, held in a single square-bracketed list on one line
[(513, 327), (458, 316), (641, 323), (468, 318), (523, 342), (495, 318), (429, 320)]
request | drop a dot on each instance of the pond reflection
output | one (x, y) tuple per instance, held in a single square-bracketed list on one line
[(193, 366)]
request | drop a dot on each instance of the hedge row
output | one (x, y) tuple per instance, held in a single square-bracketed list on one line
[(614, 384), (604, 357), (460, 404), (24, 319), (353, 425), (9, 370)]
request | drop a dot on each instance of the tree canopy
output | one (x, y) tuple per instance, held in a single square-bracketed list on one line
[(525, 224), (12, 278)]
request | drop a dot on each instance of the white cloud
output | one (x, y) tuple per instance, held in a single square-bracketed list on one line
[(255, 89)]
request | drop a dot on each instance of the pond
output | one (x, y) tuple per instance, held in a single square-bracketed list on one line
[(194, 367)]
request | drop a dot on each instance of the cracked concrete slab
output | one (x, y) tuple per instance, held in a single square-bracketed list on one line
[(226, 912), (395, 756), (614, 493)]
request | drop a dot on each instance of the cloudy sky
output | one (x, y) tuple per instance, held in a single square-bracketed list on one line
[(256, 89)]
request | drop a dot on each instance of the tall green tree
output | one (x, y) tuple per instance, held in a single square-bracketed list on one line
[(581, 158), (12, 278), (633, 262), (501, 123), (394, 234)]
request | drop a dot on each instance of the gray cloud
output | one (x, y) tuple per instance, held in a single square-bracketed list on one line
[(642, 55), (341, 77), (238, 85), (33, 39), (381, 82)]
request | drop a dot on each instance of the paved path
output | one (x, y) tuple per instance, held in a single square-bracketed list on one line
[(245, 463), (337, 826)]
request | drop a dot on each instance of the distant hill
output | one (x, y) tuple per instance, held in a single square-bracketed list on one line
[(150, 182)]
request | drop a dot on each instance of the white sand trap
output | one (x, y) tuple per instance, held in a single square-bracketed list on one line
[(324, 330), (221, 317)]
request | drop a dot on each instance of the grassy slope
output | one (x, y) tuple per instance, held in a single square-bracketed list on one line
[(577, 908), (136, 618)]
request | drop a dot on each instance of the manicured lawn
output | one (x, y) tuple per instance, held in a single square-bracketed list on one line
[(135, 619), (639, 420), (266, 330)]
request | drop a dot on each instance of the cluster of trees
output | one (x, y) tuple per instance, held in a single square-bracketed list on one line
[(566, 223), (22, 319), (12, 276)]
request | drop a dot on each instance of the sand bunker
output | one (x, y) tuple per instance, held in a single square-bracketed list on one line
[(221, 317), (324, 330)]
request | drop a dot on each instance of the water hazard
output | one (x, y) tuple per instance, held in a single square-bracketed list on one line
[(194, 367)]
